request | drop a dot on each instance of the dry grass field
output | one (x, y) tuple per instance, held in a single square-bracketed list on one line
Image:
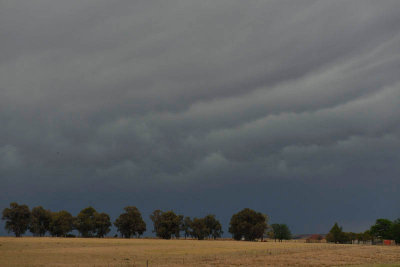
[(30, 251)]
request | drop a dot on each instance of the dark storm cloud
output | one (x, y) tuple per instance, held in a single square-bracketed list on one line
[(116, 101)]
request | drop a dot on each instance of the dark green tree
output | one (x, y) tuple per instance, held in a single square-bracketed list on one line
[(199, 228), (130, 223), (40, 221), (61, 223), (248, 224), (382, 229), (156, 218), (17, 218), (102, 224), (166, 224), (396, 231), (85, 222), (280, 232), (336, 234), (186, 227), (214, 227), (208, 226)]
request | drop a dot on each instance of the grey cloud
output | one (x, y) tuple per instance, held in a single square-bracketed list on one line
[(131, 100)]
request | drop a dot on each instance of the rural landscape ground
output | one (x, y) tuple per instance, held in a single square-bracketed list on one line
[(28, 251)]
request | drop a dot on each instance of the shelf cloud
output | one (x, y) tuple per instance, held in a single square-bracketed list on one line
[(290, 108)]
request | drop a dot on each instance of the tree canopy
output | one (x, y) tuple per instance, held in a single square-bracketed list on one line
[(40, 221), (102, 224), (382, 229), (166, 224), (208, 226), (130, 223), (17, 218), (199, 228), (91, 223), (85, 222), (214, 227), (248, 224), (61, 223), (281, 232), (186, 227), (396, 231)]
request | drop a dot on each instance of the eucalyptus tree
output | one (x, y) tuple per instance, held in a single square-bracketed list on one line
[(17, 217)]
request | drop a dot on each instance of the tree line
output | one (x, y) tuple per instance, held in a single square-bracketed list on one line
[(383, 229), (247, 224)]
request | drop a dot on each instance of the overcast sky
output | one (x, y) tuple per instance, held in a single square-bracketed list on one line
[(291, 108)]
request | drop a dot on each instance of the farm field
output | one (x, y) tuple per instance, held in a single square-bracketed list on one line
[(28, 251)]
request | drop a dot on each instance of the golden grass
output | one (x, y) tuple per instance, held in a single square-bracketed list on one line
[(29, 251)]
